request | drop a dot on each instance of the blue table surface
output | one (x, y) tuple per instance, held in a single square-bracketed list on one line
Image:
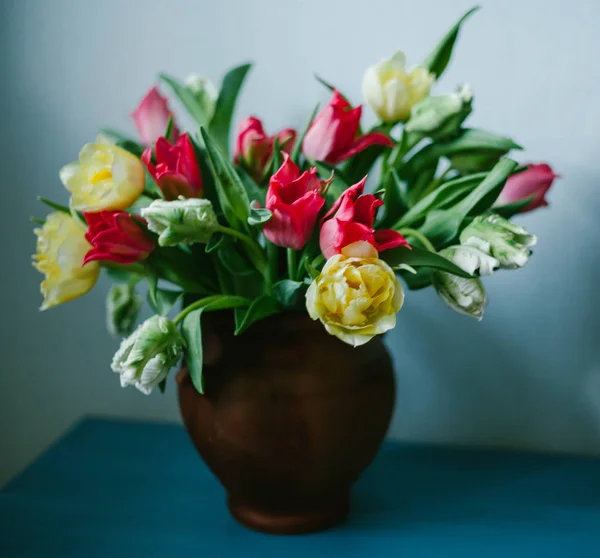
[(113, 488)]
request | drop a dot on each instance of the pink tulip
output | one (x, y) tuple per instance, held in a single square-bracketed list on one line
[(117, 236), (351, 219), (333, 135), (534, 181), (151, 118), (176, 170), (254, 148), (295, 200)]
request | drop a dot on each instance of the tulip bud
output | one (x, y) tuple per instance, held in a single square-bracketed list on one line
[(146, 356), (122, 308), (465, 296), (441, 116), (181, 221), (498, 237), (533, 183), (205, 91)]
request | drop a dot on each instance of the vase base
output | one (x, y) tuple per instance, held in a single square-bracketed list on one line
[(290, 523)]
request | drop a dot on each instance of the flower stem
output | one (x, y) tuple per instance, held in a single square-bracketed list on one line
[(232, 302), (419, 236), (273, 253), (292, 264)]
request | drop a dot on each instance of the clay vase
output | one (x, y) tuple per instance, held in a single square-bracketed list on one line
[(289, 419)]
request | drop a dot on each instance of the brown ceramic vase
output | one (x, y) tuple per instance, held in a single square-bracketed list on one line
[(290, 418)]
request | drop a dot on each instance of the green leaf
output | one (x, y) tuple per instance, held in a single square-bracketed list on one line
[(324, 83), (395, 200), (196, 110), (231, 259), (141, 203), (310, 269), (162, 300), (259, 216), (208, 180), (215, 242), (468, 140), (510, 209), (40, 222), (419, 257), (290, 294), (443, 196), (295, 155), (191, 329), (122, 274), (254, 191), (260, 308), (220, 123), (416, 185), (232, 195), (162, 386), (438, 59), (441, 226), (54, 205), (417, 281)]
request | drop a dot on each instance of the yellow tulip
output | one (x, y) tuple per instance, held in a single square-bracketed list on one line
[(391, 90), (356, 296), (105, 177), (61, 247)]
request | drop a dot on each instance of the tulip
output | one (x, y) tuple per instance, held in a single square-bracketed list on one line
[(205, 93), (123, 305), (391, 90), (61, 249), (498, 237), (333, 135), (176, 170), (356, 296), (118, 237), (181, 221), (151, 118), (295, 200), (146, 356), (465, 296), (105, 177), (351, 219), (442, 116), (533, 182), (254, 148)]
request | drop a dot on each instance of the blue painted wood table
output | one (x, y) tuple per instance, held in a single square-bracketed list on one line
[(112, 489)]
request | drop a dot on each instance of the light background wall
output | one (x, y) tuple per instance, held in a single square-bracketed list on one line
[(527, 376)]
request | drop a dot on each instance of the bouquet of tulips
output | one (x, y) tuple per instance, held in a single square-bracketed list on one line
[(293, 221)]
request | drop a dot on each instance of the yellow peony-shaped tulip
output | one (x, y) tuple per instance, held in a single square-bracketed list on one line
[(61, 247), (391, 90), (105, 177), (356, 296)]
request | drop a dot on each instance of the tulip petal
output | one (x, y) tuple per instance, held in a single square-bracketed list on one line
[(360, 144)]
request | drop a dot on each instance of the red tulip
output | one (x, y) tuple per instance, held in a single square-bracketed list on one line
[(534, 181), (117, 236), (332, 136), (254, 148), (351, 219), (152, 116), (295, 200), (176, 171)]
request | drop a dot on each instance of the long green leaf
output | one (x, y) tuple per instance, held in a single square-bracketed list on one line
[(443, 196), (438, 59), (295, 155), (54, 205), (191, 328), (469, 140), (232, 195), (510, 209), (220, 123), (443, 225), (290, 294), (395, 200), (163, 300), (196, 109), (260, 308), (419, 257)]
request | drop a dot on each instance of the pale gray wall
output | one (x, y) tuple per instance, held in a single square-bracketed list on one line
[(529, 375)]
